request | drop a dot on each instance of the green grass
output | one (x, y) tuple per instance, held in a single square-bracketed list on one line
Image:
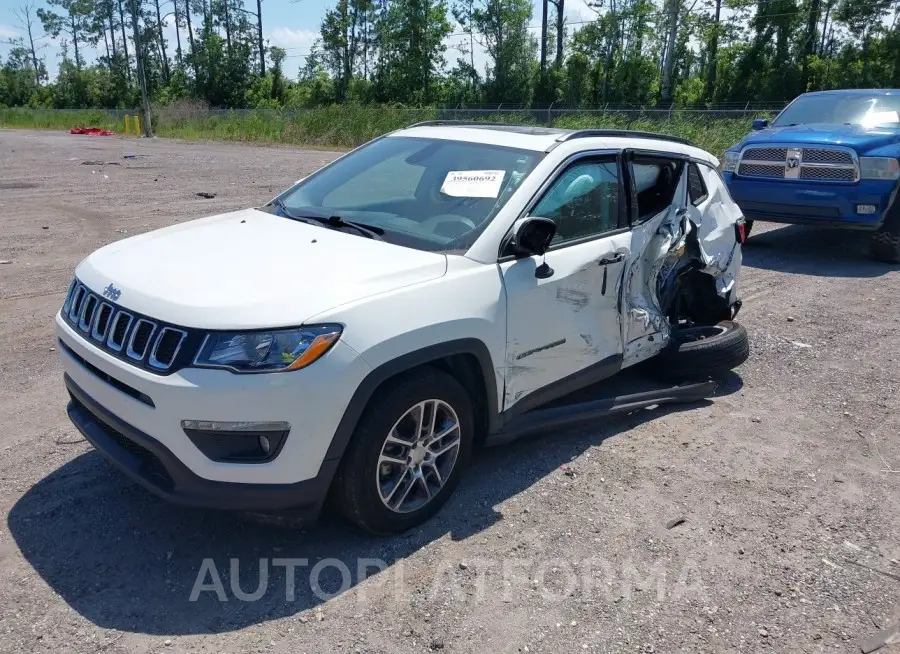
[(348, 126)]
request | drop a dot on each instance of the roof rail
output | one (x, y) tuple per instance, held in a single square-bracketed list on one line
[(621, 133), (508, 127), (463, 123)]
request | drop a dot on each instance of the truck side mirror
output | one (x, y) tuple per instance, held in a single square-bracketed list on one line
[(760, 123)]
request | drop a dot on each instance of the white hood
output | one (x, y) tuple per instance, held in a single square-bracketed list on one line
[(251, 269)]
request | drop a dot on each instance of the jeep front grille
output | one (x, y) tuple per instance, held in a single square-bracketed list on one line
[(139, 340), (821, 164)]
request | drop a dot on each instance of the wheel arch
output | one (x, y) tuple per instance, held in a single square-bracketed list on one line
[(466, 359)]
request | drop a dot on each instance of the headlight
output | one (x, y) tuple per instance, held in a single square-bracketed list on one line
[(271, 351), (729, 162), (879, 168)]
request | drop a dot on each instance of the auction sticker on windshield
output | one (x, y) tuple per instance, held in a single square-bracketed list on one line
[(473, 183)]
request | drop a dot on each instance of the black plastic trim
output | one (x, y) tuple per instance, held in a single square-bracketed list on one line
[(183, 486), (431, 354), (622, 133), (109, 379), (233, 446), (571, 414)]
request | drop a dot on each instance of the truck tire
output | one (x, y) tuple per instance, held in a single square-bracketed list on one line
[(703, 352), (401, 465), (886, 241)]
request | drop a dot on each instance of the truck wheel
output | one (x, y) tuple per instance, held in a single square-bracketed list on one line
[(702, 352), (407, 453), (886, 241)]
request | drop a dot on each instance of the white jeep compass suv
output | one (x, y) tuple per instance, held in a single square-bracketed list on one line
[(433, 289)]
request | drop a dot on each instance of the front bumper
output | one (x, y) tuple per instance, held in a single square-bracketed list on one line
[(809, 203), (312, 401), (156, 468)]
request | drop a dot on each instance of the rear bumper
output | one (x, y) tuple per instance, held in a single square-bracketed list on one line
[(805, 203), (152, 465)]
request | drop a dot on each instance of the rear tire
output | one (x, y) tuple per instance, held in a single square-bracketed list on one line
[(375, 458), (703, 352), (885, 244)]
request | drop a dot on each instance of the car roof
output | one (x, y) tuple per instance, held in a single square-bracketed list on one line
[(544, 139), (856, 92)]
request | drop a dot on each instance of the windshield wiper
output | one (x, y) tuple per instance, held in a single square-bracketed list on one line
[(331, 221), (369, 230)]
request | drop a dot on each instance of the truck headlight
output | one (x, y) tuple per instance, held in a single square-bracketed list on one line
[(730, 162), (879, 168), (267, 351)]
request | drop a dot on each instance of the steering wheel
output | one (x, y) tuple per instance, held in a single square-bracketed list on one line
[(448, 224)]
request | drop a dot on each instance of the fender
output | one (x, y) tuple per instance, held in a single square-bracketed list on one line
[(385, 371)]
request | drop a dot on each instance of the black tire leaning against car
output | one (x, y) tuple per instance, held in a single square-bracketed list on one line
[(885, 244), (703, 352), (354, 491)]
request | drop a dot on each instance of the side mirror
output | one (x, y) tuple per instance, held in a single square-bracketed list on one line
[(759, 123), (532, 236)]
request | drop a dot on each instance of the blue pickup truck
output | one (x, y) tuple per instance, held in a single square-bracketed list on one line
[(830, 159)]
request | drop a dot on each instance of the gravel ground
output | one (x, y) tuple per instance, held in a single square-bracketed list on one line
[(787, 482)]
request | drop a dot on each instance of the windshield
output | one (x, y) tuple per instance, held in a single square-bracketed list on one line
[(430, 194), (862, 109)]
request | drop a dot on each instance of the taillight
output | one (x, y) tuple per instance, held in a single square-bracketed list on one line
[(740, 231)]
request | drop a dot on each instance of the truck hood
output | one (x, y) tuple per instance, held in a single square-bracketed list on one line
[(251, 269), (861, 139)]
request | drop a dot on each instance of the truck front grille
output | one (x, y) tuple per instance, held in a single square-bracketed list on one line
[(820, 164), (139, 340)]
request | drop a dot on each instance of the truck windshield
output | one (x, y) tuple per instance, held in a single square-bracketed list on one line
[(429, 194), (864, 109)]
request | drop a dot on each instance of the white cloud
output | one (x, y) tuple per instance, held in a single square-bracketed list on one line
[(287, 37), (576, 11), (7, 32)]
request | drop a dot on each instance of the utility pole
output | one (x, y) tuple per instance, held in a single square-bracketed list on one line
[(147, 128), (665, 95), (544, 41)]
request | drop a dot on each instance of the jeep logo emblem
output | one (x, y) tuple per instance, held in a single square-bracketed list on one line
[(793, 162), (112, 293)]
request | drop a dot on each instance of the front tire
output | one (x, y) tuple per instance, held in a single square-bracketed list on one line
[(885, 244), (407, 453)]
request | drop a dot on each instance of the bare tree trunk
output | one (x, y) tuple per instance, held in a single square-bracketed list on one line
[(146, 126), (23, 14), (178, 55), (665, 95), (543, 40), (809, 43), (124, 39), (713, 54), (162, 43), (227, 27), (560, 21), (112, 27), (187, 18), (825, 28), (75, 42), (259, 38)]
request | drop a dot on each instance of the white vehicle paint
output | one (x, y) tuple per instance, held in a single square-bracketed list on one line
[(533, 324)]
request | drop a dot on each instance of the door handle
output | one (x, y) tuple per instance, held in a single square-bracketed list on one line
[(619, 257)]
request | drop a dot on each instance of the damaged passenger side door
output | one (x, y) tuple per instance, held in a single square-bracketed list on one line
[(563, 325), (658, 213)]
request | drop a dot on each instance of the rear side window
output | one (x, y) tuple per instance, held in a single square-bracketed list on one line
[(655, 182), (697, 192)]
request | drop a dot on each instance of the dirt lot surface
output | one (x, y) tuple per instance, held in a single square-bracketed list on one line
[(787, 482)]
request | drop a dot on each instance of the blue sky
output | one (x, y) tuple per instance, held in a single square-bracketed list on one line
[(292, 25)]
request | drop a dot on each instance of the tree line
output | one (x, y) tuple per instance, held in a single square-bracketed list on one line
[(629, 52)]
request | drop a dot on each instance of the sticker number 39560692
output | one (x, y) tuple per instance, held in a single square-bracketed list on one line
[(473, 183)]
